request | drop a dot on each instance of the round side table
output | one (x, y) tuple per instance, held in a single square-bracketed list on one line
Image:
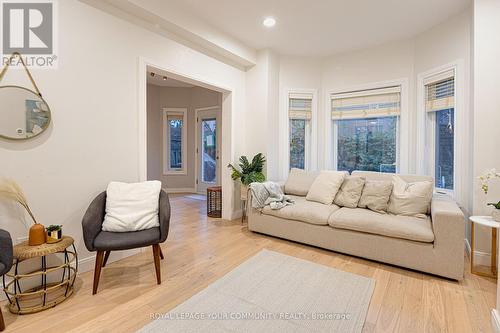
[(45, 295), (494, 225)]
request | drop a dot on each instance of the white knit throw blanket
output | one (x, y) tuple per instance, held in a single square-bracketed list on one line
[(269, 193)]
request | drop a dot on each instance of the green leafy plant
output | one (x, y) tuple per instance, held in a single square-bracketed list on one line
[(54, 227), (250, 172), (496, 205)]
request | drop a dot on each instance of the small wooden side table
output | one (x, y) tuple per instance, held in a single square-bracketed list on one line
[(45, 295), (488, 222)]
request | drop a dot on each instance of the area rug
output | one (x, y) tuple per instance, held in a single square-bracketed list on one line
[(272, 292)]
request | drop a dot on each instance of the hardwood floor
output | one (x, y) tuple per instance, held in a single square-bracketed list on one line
[(199, 250)]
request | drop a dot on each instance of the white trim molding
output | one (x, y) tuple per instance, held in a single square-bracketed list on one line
[(495, 321), (166, 141), (462, 132)]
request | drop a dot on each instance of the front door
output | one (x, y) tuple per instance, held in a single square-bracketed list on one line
[(207, 150)]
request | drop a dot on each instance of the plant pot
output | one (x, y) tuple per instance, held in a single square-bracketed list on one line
[(54, 236), (244, 192), (495, 214), (36, 235)]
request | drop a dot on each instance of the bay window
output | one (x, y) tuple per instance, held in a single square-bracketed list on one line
[(365, 127), (299, 127)]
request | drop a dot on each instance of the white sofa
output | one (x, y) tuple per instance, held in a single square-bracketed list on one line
[(434, 245)]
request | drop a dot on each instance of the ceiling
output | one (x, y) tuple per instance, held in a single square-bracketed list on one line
[(158, 80), (321, 27)]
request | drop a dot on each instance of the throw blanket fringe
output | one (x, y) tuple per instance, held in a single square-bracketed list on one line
[(269, 193)]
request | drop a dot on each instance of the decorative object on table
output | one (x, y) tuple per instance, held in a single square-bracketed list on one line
[(47, 294), (487, 221), (250, 172), (35, 111), (214, 201), (54, 233), (5, 262), (485, 179), (10, 190), (106, 241)]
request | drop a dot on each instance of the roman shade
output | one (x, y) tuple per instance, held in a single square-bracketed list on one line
[(373, 103), (300, 106), (440, 93)]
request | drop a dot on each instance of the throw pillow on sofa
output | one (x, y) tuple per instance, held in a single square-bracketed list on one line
[(132, 207), (350, 192), (410, 199), (299, 182), (375, 195), (325, 186)]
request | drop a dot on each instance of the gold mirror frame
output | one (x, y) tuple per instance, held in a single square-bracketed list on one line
[(36, 93)]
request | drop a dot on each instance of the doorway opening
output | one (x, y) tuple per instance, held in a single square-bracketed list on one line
[(184, 133)]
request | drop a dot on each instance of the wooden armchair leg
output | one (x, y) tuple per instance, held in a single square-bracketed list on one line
[(2, 323), (161, 254), (106, 257), (97, 270), (156, 255)]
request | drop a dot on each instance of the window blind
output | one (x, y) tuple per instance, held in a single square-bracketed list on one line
[(373, 103), (440, 94), (300, 106)]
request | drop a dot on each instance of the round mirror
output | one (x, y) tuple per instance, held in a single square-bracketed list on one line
[(23, 113)]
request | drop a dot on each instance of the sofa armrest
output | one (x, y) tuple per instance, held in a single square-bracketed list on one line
[(448, 222), (5, 251), (93, 219)]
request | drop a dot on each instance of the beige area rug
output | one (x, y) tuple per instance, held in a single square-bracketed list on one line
[(272, 292)]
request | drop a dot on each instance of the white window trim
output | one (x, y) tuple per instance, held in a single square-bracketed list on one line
[(166, 141), (311, 158), (403, 146), (426, 131)]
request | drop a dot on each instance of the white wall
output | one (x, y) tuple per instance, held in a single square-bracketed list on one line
[(94, 135), (486, 101)]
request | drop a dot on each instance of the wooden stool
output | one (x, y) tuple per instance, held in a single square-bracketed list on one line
[(214, 201), (46, 295)]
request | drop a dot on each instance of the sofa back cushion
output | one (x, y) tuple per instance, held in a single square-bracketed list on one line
[(325, 186), (350, 192), (299, 182), (410, 198), (375, 195), (372, 175)]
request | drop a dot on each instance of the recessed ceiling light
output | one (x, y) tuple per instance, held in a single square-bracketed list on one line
[(164, 78), (269, 22)]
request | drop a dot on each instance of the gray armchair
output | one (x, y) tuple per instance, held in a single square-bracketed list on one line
[(5, 262), (104, 242)]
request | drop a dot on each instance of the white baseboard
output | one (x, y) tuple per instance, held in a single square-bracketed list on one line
[(480, 258), (495, 321), (180, 190), (237, 214)]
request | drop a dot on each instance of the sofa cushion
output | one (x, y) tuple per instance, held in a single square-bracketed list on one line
[(299, 181), (304, 211), (410, 199), (397, 226), (375, 195), (350, 192), (325, 186)]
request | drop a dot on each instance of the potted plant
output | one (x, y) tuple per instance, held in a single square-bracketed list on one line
[(484, 179), (249, 173), (54, 233), (10, 190)]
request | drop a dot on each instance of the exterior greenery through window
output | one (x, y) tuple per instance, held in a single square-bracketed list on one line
[(300, 114), (175, 129), (366, 129), (440, 109)]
